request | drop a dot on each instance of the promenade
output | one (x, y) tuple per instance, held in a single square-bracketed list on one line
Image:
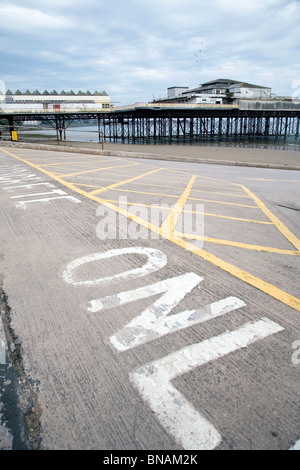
[(271, 157)]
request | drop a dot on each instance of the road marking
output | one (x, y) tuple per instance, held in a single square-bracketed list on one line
[(29, 186), (82, 162), (24, 176), (55, 191), (247, 246), (23, 204), (155, 261), (153, 381), (169, 224), (176, 414), (115, 185), (241, 194), (296, 446), (281, 227), (254, 281), (97, 169), (268, 179), (154, 206), (154, 322), (175, 196)]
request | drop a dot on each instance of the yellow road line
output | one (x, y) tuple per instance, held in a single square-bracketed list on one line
[(197, 190), (240, 219), (246, 246), (202, 177), (168, 226), (244, 276), (281, 227), (254, 281), (176, 187), (115, 185), (97, 169), (128, 203), (98, 178), (154, 206), (190, 198), (75, 163), (269, 179), (91, 186), (217, 192)]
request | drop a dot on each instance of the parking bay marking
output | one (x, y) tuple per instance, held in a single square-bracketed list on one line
[(153, 381)]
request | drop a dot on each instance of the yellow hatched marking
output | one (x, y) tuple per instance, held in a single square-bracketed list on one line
[(97, 169), (224, 194), (154, 206), (247, 246), (115, 185), (269, 179), (190, 198), (87, 185), (75, 163), (254, 281), (281, 227), (231, 218), (241, 194), (168, 226)]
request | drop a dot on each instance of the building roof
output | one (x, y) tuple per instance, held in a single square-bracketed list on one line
[(54, 92), (250, 85), (220, 80)]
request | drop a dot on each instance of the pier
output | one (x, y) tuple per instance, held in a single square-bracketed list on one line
[(143, 122)]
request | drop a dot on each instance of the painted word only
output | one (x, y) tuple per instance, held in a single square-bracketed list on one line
[(154, 380)]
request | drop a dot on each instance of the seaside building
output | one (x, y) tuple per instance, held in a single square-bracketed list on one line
[(219, 91), (53, 101)]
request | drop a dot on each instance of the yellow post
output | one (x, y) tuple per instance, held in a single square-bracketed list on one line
[(14, 135)]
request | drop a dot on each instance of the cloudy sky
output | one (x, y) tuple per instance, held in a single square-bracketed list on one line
[(136, 49)]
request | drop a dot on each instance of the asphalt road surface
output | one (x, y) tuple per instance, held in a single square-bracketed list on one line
[(147, 304)]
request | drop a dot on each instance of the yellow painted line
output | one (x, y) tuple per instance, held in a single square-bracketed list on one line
[(244, 276), (223, 194), (168, 226), (127, 203), (190, 198), (74, 163), (208, 179), (241, 194), (233, 186), (154, 206), (281, 227), (97, 169), (240, 219), (223, 202), (115, 185), (91, 186), (246, 246), (202, 177), (96, 179), (269, 179), (194, 190)]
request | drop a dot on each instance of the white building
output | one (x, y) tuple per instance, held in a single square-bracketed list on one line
[(53, 101), (220, 91), (249, 91)]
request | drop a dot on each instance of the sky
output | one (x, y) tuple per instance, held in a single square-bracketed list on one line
[(136, 49)]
